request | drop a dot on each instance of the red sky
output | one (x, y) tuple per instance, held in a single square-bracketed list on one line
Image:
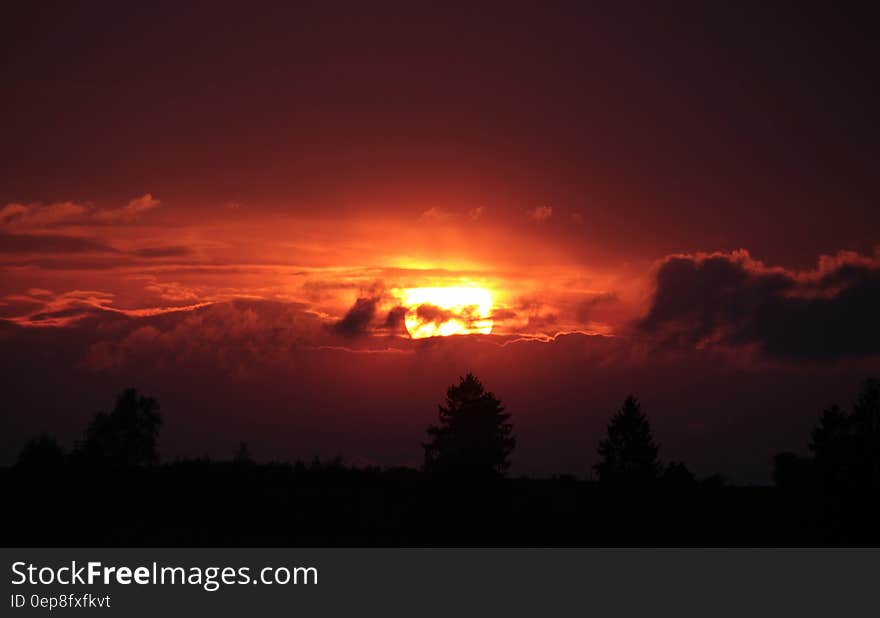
[(679, 201)]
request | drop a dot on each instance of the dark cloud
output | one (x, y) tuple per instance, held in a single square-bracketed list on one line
[(394, 322), (160, 252), (357, 321), (49, 243), (237, 337), (731, 299), (432, 313), (504, 314), (584, 309), (65, 243)]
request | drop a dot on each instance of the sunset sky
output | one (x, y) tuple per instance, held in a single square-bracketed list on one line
[(230, 209)]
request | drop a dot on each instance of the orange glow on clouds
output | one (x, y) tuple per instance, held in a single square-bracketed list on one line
[(444, 311), (67, 262)]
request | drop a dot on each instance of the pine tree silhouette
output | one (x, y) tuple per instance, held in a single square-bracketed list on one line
[(41, 455), (628, 453), (126, 437), (831, 444), (473, 437), (865, 420)]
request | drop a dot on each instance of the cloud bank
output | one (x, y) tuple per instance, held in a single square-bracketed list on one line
[(731, 299)]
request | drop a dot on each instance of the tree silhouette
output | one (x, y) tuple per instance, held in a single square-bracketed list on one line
[(473, 436), (243, 455), (41, 454), (791, 471), (127, 436), (846, 445), (831, 445), (628, 453), (676, 475), (865, 420)]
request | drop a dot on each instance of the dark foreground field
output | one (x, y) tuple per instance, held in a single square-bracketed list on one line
[(199, 503)]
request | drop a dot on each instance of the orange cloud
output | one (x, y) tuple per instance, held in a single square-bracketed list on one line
[(476, 213), (540, 213), (131, 211), (37, 216), (436, 215)]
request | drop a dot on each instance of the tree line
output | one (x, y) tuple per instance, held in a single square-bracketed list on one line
[(473, 440)]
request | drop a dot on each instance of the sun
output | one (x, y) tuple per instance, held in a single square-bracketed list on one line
[(444, 311)]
